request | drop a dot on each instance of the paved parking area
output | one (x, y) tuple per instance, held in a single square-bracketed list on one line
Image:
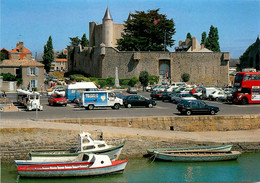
[(161, 109)]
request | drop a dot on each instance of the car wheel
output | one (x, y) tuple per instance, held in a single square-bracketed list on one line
[(116, 106), (65, 105), (212, 112), (188, 113), (150, 105), (163, 100), (244, 101), (91, 107), (129, 105)]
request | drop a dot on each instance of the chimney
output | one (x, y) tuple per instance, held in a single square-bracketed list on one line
[(193, 44), (202, 46), (20, 46)]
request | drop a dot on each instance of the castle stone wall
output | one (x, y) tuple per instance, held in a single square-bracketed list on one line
[(204, 68)]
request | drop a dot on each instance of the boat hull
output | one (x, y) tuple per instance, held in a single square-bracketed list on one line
[(72, 172), (220, 148), (216, 156)]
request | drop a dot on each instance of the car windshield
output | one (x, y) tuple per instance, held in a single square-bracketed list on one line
[(186, 95), (58, 96), (180, 84)]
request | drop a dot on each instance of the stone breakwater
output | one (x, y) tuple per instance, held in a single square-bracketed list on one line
[(140, 134), (183, 123)]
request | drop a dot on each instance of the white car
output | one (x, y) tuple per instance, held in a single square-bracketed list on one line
[(185, 96), (187, 90), (160, 88), (216, 95), (198, 94)]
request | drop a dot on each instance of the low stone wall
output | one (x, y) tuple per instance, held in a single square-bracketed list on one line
[(187, 123), (17, 142)]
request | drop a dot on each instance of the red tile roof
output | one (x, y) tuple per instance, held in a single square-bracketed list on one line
[(61, 60), (17, 63), (16, 50)]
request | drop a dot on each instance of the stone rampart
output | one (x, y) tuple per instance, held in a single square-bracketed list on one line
[(187, 124)]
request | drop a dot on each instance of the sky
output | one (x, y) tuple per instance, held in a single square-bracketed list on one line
[(33, 21)]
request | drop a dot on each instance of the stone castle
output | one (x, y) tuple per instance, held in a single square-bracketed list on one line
[(101, 58)]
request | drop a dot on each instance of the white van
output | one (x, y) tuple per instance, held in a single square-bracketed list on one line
[(206, 91), (92, 99)]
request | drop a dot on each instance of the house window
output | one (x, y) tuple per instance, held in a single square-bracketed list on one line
[(32, 71), (33, 83)]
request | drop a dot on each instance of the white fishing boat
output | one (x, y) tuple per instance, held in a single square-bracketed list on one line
[(97, 165), (86, 145)]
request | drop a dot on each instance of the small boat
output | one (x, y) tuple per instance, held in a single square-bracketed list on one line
[(98, 165), (80, 158), (196, 155), (220, 148), (86, 145)]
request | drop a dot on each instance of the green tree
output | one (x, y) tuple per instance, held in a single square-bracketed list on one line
[(62, 55), (147, 31), (212, 39), (84, 41), (74, 41), (185, 77), (144, 78), (188, 36), (133, 81), (3, 55), (203, 38), (48, 55)]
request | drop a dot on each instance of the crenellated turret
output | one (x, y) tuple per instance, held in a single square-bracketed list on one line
[(107, 29)]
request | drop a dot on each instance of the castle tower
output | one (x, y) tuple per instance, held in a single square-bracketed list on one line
[(130, 16), (92, 26), (107, 29)]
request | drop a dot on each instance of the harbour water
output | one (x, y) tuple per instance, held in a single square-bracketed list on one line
[(245, 168)]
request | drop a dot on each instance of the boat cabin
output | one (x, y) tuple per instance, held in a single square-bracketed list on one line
[(86, 143)]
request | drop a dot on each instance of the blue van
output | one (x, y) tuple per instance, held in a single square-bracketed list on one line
[(73, 91)]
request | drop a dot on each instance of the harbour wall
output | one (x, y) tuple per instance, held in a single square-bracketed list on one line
[(183, 123), (17, 142)]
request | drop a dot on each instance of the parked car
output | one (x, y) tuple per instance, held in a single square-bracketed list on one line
[(198, 94), (160, 88), (197, 89), (226, 98), (189, 107), (131, 90), (137, 100), (55, 99), (167, 96), (178, 84), (182, 96), (148, 88), (216, 95), (156, 94), (186, 90)]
